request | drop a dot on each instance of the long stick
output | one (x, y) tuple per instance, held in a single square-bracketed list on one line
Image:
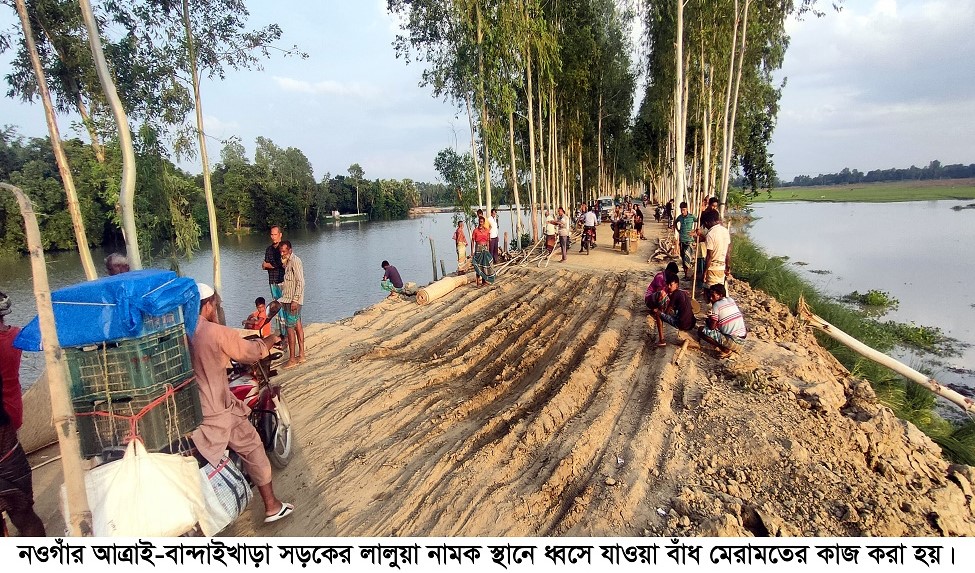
[(64, 420), (862, 349)]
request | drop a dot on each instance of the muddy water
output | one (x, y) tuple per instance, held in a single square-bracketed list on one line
[(919, 252)]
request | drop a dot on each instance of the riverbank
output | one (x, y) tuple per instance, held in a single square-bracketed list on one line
[(538, 406), (882, 192)]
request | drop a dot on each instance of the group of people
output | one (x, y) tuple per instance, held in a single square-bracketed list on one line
[(286, 278), (486, 247), (724, 326)]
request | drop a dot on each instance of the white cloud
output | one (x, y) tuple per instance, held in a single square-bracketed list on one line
[(881, 84), (219, 128), (328, 87)]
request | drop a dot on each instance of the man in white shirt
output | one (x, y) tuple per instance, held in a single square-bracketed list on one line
[(493, 223), (717, 264), (589, 221)]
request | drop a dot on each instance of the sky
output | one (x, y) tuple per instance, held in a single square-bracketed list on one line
[(883, 83)]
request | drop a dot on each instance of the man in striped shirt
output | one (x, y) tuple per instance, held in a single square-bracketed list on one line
[(292, 299), (725, 326)]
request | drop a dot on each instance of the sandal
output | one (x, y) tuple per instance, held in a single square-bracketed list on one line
[(285, 511)]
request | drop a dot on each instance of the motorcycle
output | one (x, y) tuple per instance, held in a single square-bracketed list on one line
[(588, 238), (270, 416)]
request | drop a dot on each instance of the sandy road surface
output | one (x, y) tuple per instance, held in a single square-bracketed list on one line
[(537, 406)]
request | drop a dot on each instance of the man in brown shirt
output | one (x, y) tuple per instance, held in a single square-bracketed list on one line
[(225, 422)]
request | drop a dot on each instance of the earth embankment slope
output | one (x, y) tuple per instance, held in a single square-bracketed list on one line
[(537, 406)]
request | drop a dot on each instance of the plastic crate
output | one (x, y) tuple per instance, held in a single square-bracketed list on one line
[(152, 324), (100, 371), (162, 425)]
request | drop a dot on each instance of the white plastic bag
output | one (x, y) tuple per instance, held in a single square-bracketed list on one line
[(145, 495)]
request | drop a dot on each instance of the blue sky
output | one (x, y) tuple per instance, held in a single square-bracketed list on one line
[(884, 83)]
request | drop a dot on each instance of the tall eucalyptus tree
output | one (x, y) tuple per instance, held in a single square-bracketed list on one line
[(67, 179)]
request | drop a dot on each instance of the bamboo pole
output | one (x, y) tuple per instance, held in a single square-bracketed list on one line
[(433, 258), (862, 349), (64, 420)]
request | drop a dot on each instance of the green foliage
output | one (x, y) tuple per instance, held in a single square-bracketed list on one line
[(526, 241), (908, 400), (873, 302)]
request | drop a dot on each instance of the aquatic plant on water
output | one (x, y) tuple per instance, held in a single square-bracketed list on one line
[(907, 400)]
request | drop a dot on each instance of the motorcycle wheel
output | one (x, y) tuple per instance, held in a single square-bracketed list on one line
[(282, 443), (281, 447)]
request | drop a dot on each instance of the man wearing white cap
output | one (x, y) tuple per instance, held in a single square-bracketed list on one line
[(225, 422)]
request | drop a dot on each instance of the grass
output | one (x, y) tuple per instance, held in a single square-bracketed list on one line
[(908, 401), (885, 192)]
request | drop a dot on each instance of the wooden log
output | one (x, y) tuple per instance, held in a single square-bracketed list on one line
[(904, 370), (680, 352), (435, 290)]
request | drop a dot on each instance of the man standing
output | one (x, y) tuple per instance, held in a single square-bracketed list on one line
[(678, 311), (493, 223), (391, 281), (685, 225), (16, 487), (225, 417), (275, 269), (717, 264), (725, 326), (565, 226), (292, 299), (460, 239)]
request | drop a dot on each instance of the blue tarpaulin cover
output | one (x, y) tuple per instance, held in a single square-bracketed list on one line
[(112, 308)]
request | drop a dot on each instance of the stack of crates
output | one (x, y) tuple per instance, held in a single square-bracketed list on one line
[(123, 376)]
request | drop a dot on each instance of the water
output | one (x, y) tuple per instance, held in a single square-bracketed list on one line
[(916, 251), (342, 265)]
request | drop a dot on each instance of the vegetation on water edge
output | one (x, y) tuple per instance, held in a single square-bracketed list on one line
[(908, 401), (873, 302), (887, 192)]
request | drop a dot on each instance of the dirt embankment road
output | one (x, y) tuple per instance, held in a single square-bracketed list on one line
[(538, 406)]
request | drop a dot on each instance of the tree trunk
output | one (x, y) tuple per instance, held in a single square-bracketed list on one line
[(599, 148), (74, 208), (514, 175), (477, 166), (201, 136), (680, 145), (484, 110), (531, 138), (734, 110), (127, 188), (63, 418), (72, 86), (725, 135)]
